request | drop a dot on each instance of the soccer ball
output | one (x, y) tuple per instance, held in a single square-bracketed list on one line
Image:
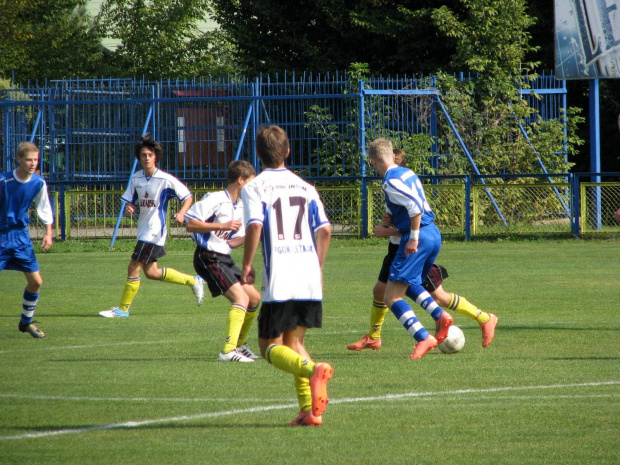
[(454, 342)]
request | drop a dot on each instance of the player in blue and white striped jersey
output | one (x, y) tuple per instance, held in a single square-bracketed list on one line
[(19, 189), (216, 226), (151, 189), (419, 245)]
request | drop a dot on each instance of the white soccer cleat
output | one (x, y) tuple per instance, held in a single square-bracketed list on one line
[(114, 312), (245, 350), (233, 356), (199, 289)]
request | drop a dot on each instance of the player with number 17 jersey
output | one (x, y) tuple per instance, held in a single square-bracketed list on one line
[(290, 211)]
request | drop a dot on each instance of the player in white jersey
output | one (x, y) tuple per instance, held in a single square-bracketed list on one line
[(216, 226), (151, 189), (18, 190), (286, 213)]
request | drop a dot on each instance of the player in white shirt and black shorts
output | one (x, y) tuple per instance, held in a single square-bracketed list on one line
[(216, 226), (287, 215), (151, 189)]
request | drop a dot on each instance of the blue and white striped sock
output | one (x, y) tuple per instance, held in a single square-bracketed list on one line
[(29, 304), (405, 315), (421, 297)]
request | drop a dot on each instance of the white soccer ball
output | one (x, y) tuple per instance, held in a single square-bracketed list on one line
[(454, 342)]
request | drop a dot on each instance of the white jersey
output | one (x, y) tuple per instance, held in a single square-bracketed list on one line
[(216, 207), (291, 212), (152, 194)]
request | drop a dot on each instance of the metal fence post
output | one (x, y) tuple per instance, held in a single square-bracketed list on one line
[(362, 133)]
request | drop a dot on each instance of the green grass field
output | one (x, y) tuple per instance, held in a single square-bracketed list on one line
[(148, 389)]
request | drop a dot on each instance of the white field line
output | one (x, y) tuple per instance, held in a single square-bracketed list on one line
[(388, 397)]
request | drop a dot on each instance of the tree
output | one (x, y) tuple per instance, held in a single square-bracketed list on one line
[(47, 39), (161, 39), (325, 35)]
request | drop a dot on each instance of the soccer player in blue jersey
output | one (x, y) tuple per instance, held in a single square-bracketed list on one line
[(151, 189), (419, 245), (216, 226), (287, 215), (19, 189), (432, 283)]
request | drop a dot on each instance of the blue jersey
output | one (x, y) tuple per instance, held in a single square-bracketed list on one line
[(405, 198), (16, 197)]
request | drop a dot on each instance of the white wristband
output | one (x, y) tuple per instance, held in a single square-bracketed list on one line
[(414, 234)]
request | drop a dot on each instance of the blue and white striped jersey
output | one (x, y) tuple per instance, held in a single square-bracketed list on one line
[(405, 198), (216, 207), (291, 212), (151, 195), (17, 195)]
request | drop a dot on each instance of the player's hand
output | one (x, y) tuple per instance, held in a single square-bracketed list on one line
[(129, 209), (47, 242), (248, 274), (617, 215), (411, 247), (232, 225), (387, 220), (179, 218)]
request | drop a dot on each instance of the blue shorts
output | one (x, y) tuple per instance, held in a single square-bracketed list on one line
[(16, 251), (413, 268)]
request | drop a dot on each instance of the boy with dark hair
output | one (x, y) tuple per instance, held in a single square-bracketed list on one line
[(216, 226), (151, 189)]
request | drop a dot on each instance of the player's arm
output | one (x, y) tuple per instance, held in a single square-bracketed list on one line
[(412, 244), (197, 226), (323, 238), (252, 237), (179, 217), (236, 242)]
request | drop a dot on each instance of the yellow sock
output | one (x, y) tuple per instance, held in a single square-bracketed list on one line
[(286, 359), (236, 314), (170, 275), (129, 292), (250, 316), (464, 307), (377, 316), (304, 396)]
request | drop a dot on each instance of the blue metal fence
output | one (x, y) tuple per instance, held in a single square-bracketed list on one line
[(86, 128)]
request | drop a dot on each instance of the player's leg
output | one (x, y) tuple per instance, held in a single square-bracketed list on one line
[(236, 314), (250, 316), (426, 299), (29, 304), (284, 348), (406, 316), (17, 253), (149, 255), (461, 305), (372, 340)]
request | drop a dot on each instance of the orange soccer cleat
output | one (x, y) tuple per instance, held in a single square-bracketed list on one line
[(307, 419), (488, 330), (423, 346), (365, 343), (442, 325), (323, 372)]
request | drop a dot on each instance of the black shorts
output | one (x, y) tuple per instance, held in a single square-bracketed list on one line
[(387, 263), (277, 318), (433, 280), (435, 277), (146, 253), (217, 269)]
